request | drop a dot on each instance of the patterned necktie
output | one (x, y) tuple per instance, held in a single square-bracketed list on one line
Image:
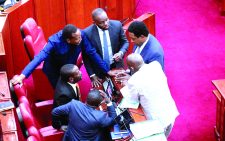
[(106, 51)]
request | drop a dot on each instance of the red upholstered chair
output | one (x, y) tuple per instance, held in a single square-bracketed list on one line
[(33, 127), (41, 109), (34, 42), (34, 39), (32, 138)]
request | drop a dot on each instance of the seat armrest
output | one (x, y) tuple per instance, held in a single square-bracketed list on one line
[(50, 134), (44, 103)]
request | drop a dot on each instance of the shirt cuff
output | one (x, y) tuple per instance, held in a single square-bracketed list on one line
[(109, 104), (92, 75), (121, 53)]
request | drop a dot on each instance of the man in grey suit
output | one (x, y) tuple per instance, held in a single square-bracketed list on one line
[(108, 37)]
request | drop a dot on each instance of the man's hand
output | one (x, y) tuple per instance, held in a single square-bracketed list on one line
[(118, 56), (122, 78), (17, 79), (112, 73), (95, 81), (104, 95)]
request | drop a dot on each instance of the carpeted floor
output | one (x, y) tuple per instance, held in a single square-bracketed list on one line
[(192, 34)]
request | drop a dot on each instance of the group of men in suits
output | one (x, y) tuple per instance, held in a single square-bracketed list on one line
[(103, 45)]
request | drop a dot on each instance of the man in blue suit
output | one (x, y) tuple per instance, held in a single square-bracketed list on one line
[(145, 44), (108, 37), (85, 122), (62, 48)]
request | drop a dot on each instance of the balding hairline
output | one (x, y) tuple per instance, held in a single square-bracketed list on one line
[(97, 12)]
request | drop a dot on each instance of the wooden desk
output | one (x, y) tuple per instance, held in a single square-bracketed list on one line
[(220, 109), (7, 118)]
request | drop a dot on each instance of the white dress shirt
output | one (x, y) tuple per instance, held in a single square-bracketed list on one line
[(74, 86), (149, 87), (139, 49)]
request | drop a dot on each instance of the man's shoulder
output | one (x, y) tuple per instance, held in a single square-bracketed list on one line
[(115, 23), (89, 28), (57, 37), (62, 86)]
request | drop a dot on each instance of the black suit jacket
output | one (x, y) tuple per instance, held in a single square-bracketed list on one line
[(64, 93), (118, 40)]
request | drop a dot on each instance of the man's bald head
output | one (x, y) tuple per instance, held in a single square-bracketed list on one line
[(134, 62)]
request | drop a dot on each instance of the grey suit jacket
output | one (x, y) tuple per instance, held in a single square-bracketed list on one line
[(118, 40)]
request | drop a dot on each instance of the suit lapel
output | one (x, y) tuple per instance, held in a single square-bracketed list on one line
[(134, 48), (97, 39), (111, 35), (72, 90), (145, 49)]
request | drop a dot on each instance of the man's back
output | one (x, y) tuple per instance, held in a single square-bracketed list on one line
[(150, 85), (85, 123)]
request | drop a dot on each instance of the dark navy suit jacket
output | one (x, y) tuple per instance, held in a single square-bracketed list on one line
[(64, 93), (152, 51), (118, 40), (85, 123), (58, 52)]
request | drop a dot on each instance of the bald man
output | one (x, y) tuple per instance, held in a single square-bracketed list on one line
[(110, 42), (148, 85)]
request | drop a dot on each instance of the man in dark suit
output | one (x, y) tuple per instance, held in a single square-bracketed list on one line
[(108, 37), (62, 48), (145, 44), (85, 122), (66, 88)]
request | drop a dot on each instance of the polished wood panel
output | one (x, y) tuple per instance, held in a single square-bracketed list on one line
[(5, 45), (119, 9), (7, 121), (50, 15), (220, 109), (81, 17), (16, 56), (223, 7), (7, 117), (4, 87), (10, 136)]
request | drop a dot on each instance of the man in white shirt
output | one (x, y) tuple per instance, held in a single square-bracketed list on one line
[(148, 85)]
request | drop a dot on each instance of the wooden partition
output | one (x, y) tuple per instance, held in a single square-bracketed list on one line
[(223, 7), (15, 56), (119, 9), (50, 15), (81, 17)]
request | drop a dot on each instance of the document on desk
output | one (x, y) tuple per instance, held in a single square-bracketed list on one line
[(153, 131), (127, 102)]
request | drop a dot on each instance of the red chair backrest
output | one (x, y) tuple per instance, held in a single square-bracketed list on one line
[(27, 115), (33, 36), (32, 138), (33, 131)]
